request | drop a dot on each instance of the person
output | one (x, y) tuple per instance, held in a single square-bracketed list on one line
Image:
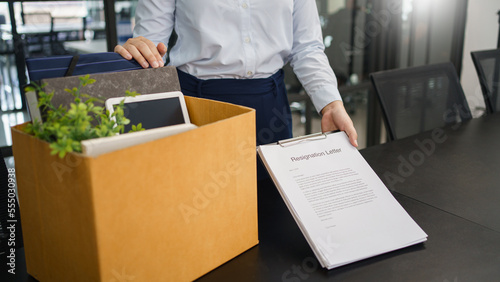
[(234, 51)]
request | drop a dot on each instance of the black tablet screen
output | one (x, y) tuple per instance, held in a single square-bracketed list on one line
[(154, 113)]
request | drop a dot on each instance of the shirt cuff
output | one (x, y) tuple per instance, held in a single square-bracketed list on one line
[(324, 95)]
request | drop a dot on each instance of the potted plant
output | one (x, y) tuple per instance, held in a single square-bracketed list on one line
[(65, 128)]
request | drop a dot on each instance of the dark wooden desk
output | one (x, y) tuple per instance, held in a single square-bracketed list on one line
[(460, 175), (453, 194)]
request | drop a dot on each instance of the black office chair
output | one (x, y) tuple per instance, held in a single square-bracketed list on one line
[(418, 99), (487, 65), (37, 43)]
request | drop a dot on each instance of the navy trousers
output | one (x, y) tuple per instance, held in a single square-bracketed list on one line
[(267, 96)]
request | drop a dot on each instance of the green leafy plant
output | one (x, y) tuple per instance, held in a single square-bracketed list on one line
[(64, 128)]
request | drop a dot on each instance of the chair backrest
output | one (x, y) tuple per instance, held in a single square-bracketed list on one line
[(487, 64), (37, 33), (417, 99)]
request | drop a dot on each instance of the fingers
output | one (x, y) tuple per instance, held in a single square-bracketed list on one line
[(353, 135), (329, 123), (143, 51), (345, 124), (123, 52), (162, 49), (335, 117)]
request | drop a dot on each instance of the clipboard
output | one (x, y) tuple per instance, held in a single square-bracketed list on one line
[(300, 139), (327, 186)]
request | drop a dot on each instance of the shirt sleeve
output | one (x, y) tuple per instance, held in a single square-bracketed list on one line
[(155, 20), (308, 58)]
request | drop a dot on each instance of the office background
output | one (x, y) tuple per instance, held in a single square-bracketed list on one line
[(361, 37)]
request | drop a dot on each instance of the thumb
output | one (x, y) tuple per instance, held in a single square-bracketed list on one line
[(162, 49), (353, 135)]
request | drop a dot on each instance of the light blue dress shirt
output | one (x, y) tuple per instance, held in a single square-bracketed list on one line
[(243, 39)]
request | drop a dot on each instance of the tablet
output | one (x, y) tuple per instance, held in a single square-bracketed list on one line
[(152, 110)]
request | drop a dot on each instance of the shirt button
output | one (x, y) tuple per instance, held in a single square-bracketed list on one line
[(244, 5), (247, 39), (249, 72)]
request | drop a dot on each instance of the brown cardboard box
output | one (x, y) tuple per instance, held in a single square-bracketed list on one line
[(168, 210)]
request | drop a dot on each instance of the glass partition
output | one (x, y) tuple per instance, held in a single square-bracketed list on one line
[(125, 19)]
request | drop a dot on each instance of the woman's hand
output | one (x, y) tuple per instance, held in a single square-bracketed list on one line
[(335, 117), (143, 51)]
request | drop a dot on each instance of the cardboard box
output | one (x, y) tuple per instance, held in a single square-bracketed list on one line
[(168, 210)]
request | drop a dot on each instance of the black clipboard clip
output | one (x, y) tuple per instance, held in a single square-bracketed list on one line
[(300, 139)]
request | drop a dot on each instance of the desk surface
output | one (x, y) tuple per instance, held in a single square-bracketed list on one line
[(452, 193), (461, 175)]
